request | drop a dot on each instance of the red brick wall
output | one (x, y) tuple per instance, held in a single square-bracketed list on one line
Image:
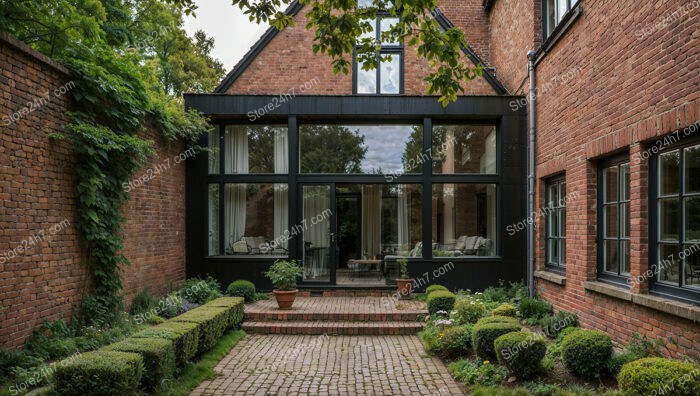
[(288, 62), (37, 191), (622, 91)]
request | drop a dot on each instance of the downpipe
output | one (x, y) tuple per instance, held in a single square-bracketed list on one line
[(531, 178)]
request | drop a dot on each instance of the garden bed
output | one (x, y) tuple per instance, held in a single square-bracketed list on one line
[(501, 342)]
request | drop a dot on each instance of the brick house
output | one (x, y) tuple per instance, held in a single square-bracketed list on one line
[(613, 108)]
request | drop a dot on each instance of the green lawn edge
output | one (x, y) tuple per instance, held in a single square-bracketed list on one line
[(197, 372)]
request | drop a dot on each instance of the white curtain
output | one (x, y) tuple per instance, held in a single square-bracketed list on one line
[(316, 257), (214, 219), (448, 213), (236, 142), (403, 219), (214, 153), (371, 219), (281, 214)]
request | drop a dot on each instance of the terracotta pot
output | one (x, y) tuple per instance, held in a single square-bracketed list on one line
[(285, 298), (405, 287)]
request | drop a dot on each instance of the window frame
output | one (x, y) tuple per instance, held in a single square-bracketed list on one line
[(548, 31), (618, 278), (678, 291), (392, 49), (560, 265)]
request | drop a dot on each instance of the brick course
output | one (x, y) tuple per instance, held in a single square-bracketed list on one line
[(37, 191), (626, 92)]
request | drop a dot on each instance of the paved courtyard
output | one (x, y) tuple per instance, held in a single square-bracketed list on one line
[(329, 365)]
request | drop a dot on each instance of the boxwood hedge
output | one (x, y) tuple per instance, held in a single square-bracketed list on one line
[(486, 331), (440, 300), (433, 288), (658, 376), (521, 352), (158, 358), (235, 307), (99, 373), (586, 353), (212, 321), (184, 335)]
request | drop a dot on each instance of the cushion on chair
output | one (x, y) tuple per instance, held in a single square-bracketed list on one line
[(461, 243), (470, 243)]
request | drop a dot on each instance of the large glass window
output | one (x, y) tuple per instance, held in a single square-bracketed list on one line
[(678, 213), (255, 219), (255, 149), (369, 149), (554, 12), (555, 240), (614, 219), (387, 77), (464, 149), (464, 220), (214, 163)]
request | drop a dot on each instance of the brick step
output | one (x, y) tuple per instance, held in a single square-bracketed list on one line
[(333, 328), (403, 316)]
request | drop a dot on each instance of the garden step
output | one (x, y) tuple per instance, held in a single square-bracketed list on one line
[(277, 315), (333, 328)]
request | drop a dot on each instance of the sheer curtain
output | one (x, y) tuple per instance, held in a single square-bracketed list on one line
[(236, 142), (214, 153), (281, 214), (371, 219), (403, 219), (316, 201), (448, 213)]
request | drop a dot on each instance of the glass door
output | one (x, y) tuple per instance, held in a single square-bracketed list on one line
[(318, 228)]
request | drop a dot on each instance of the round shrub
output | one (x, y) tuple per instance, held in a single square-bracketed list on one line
[(587, 352), (456, 341), (520, 352), (433, 288), (469, 310), (440, 300), (505, 310), (242, 288), (485, 333), (658, 376)]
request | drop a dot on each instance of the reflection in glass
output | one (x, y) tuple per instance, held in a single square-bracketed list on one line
[(256, 218), (611, 258), (368, 149), (390, 76), (255, 149), (213, 213), (668, 266), (464, 220), (366, 80), (692, 219), (464, 149), (692, 169), (691, 269), (385, 25), (669, 173), (668, 219)]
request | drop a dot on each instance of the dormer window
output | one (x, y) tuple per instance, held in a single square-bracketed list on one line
[(387, 78)]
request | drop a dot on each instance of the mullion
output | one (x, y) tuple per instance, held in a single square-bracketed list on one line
[(681, 215)]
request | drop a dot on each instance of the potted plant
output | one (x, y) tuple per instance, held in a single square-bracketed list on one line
[(403, 282), (284, 274)]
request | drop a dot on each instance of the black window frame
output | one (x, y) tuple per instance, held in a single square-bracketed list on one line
[(547, 30), (386, 49), (679, 291), (560, 265), (618, 278)]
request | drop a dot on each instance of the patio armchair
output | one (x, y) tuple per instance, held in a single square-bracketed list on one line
[(691, 273)]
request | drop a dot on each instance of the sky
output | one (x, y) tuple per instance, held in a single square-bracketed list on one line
[(233, 33)]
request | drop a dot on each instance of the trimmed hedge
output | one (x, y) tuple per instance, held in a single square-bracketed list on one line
[(158, 358), (658, 376), (505, 310), (486, 331), (184, 335), (99, 373), (441, 300), (212, 321), (587, 352), (433, 288), (531, 307), (521, 352), (235, 309), (242, 288)]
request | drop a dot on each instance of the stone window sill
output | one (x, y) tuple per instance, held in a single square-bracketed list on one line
[(551, 277), (675, 308)]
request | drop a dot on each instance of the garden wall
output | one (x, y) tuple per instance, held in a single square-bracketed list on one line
[(41, 276)]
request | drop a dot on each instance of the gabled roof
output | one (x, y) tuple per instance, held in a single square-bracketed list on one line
[(294, 9)]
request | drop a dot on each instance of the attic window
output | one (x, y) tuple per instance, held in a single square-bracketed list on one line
[(387, 78), (554, 12)]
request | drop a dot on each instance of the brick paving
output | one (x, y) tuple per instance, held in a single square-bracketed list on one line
[(329, 365), (338, 308)]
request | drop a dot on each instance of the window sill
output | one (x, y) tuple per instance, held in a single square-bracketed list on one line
[(551, 277), (670, 307)]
